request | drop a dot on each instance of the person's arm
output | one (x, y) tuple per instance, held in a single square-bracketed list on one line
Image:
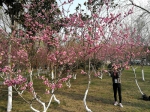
[(110, 73)]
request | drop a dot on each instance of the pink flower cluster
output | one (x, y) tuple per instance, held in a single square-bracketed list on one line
[(52, 85), (6, 69), (65, 79), (105, 71), (97, 74), (15, 81), (83, 72), (28, 86)]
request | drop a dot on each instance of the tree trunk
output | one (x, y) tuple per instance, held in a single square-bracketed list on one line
[(9, 103)]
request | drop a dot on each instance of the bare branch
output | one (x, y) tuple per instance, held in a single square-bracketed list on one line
[(139, 6)]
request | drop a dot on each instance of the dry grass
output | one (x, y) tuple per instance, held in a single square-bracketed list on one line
[(99, 99)]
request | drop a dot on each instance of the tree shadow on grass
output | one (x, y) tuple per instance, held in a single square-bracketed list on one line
[(63, 110), (140, 104), (3, 109), (76, 96)]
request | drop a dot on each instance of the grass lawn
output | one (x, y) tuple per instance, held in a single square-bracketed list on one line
[(99, 99)]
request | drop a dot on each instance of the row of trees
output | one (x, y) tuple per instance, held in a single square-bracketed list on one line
[(41, 35)]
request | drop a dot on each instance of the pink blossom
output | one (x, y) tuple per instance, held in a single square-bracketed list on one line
[(47, 91), (64, 79), (64, 53), (46, 82), (53, 86), (83, 72), (127, 67), (105, 71), (69, 76), (43, 77), (6, 69), (23, 88), (59, 85), (2, 53), (96, 74), (64, 3), (61, 63), (30, 84)]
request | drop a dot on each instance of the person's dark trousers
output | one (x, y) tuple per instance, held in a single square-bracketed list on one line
[(117, 87)]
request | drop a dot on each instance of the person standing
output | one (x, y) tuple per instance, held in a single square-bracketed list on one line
[(116, 79)]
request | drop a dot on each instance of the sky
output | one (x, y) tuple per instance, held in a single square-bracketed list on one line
[(140, 2), (75, 3)]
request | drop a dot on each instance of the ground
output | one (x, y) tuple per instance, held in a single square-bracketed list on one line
[(99, 99)]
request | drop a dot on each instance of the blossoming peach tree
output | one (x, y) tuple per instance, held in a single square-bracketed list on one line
[(81, 37)]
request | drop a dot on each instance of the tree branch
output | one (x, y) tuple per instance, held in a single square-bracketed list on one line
[(139, 6)]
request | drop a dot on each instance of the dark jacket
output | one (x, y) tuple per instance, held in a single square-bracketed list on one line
[(116, 78)]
